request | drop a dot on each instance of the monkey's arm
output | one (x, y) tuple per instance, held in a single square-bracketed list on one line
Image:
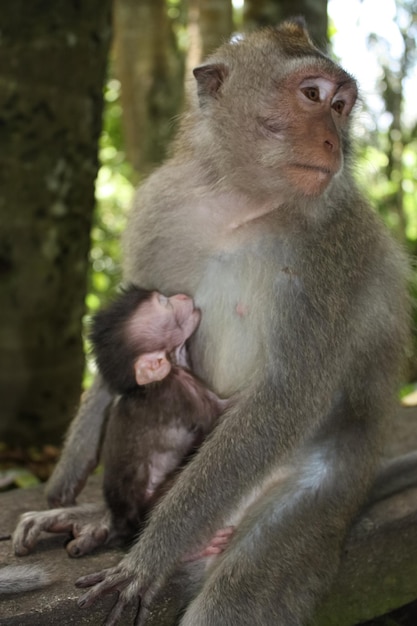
[(82, 447)]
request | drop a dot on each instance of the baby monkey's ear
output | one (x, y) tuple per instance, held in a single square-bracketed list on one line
[(151, 367)]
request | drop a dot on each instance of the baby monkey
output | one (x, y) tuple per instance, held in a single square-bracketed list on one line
[(161, 413)]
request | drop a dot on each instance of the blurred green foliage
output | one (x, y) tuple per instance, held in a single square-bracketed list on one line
[(114, 192), (383, 191)]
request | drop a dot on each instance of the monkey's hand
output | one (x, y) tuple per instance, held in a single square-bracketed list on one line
[(216, 546), (121, 579)]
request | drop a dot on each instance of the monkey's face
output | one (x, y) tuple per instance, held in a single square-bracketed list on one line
[(164, 322), (301, 127), (320, 106), (276, 114)]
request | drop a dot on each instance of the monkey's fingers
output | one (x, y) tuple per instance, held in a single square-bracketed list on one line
[(99, 590), (103, 583), (84, 544), (86, 540), (146, 602), (217, 545), (115, 614), (92, 579), (142, 615), (223, 536), (26, 535)]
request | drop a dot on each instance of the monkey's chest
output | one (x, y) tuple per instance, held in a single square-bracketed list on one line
[(236, 294)]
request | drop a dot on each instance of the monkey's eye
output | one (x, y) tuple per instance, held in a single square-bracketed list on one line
[(311, 93), (338, 106)]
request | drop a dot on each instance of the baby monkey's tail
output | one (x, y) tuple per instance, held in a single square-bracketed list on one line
[(19, 578)]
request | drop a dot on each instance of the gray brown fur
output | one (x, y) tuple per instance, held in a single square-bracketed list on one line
[(315, 351), (20, 578), (149, 436)]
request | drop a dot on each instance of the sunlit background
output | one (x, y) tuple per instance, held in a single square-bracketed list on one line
[(354, 22)]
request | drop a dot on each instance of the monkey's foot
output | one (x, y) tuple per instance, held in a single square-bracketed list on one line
[(115, 579), (89, 526)]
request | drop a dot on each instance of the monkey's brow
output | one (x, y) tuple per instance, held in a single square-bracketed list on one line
[(346, 80), (313, 77)]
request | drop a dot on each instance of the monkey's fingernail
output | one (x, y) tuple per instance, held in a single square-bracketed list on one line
[(83, 602)]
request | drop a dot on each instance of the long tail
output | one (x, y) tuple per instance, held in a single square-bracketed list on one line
[(18, 578)]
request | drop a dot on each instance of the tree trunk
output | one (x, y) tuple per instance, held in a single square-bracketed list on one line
[(210, 23), (151, 70), (216, 24), (270, 12), (51, 70)]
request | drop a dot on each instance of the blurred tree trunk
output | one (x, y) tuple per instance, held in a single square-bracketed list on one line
[(215, 23), (269, 12), (150, 68), (210, 23), (52, 70)]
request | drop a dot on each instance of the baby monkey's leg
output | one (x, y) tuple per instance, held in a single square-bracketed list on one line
[(89, 524)]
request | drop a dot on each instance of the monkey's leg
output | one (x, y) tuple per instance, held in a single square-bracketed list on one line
[(89, 535), (82, 447), (286, 550), (90, 526), (393, 476)]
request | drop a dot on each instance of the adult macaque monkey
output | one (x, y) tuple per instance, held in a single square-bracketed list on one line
[(304, 315)]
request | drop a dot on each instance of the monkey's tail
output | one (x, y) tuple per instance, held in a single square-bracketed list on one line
[(19, 578)]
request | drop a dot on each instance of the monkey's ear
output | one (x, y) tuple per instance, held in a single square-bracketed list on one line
[(297, 27), (210, 78), (297, 21), (151, 367)]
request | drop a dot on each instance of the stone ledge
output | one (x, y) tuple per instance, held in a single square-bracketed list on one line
[(57, 604), (378, 572)]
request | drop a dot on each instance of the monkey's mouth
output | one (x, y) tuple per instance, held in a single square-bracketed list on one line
[(310, 179), (314, 168)]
